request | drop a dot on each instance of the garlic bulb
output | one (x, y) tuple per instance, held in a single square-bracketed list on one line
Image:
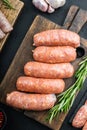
[(41, 5), (56, 3), (48, 5), (50, 9)]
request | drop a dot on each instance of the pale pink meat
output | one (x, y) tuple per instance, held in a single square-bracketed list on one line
[(2, 34), (85, 126), (40, 85), (44, 70), (37, 102), (58, 54), (80, 117), (57, 37), (5, 26)]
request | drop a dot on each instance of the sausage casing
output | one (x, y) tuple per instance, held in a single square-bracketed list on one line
[(36, 102), (58, 54), (85, 126), (2, 34), (40, 85), (55, 37), (4, 23), (49, 71), (80, 117)]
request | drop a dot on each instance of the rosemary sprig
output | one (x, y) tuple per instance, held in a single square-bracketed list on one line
[(66, 98), (8, 4)]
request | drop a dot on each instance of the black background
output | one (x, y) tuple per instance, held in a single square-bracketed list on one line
[(16, 120)]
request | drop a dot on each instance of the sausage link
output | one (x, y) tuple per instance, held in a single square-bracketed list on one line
[(4, 23), (2, 34), (59, 54), (80, 117), (36, 102), (49, 71), (85, 126), (40, 85), (57, 37)]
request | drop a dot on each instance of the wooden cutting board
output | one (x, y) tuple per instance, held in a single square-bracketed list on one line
[(11, 15), (24, 54)]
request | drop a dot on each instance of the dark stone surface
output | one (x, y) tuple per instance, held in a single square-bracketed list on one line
[(16, 120)]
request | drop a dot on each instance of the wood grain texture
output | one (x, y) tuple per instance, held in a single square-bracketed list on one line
[(75, 19), (70, 16), (79, 21), (11, 15), (23, 55)]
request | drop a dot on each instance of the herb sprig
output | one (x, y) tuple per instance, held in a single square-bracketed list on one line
[(66, 98), (8, 4)]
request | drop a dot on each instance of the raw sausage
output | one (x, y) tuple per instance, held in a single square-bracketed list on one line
[(2, 34), (59, 54), (4, 24), (36, 102), (40, 85), (44, 70), (55, 37), (80, 117), (85, 126)]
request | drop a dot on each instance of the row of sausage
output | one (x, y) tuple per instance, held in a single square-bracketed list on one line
[(80, 119), (5, 26), (55, 49)]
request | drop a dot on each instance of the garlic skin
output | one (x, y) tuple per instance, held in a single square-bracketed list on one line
[(48, 5), (56, 3), (50, 9), (40, 4)]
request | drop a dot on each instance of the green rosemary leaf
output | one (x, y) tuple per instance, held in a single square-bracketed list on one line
[(66, 99), (8, 4)]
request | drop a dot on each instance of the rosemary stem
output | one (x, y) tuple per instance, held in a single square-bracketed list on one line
[(8, 4), (66, 99)]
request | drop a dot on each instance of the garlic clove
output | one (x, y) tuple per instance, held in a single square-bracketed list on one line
[(40, 4), (56, 3), (50, 9)]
